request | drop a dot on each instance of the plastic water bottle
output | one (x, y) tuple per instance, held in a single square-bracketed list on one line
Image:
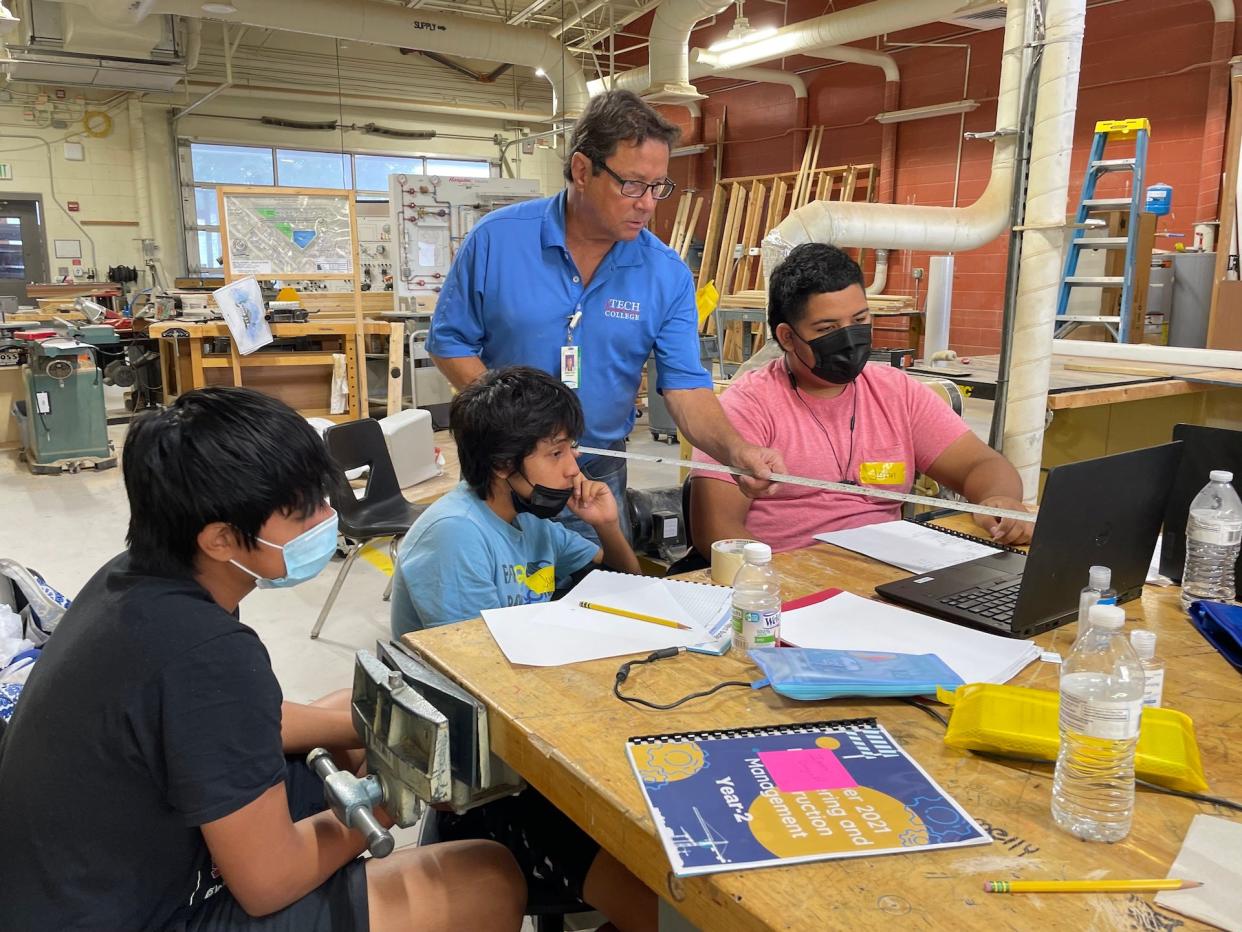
[(1144, 644), (1101, 703), (1213, 533), (1099, 589), (756, 601)]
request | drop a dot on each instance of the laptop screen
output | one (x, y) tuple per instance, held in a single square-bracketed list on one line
[(1203, 449)]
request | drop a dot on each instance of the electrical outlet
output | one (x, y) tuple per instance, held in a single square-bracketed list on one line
[(918, 274)]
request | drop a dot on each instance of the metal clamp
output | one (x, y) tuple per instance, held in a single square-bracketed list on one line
[(352, 799), (992, 133)]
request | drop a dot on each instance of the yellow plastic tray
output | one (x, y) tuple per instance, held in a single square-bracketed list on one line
[(1019, 722)]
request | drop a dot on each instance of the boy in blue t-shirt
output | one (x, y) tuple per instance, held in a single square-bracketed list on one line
[(489, 543)]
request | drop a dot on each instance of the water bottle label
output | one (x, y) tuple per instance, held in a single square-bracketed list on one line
[(756, 629), (1153, 687), (1097, 718), (1216, 536)]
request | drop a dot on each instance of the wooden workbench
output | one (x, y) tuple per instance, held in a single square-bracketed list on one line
[(565, 733), (302, 379)]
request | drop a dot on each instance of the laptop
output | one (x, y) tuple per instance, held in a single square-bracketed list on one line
[(1203, 449), (1104, 511)]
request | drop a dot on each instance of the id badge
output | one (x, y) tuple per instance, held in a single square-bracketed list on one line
[(882, 473), (571, 365)]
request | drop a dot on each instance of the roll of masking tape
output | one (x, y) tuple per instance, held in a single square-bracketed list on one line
[(727, 559)]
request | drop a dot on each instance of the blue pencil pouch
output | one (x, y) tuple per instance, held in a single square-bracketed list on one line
[(1221, 625), (806, 673)]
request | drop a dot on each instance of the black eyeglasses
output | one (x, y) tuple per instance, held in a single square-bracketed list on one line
[(636, 189)]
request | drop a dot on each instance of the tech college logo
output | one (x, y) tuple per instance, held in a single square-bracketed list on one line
[(622, 310)]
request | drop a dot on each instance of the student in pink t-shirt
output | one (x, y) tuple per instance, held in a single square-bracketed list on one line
[(834, 417)]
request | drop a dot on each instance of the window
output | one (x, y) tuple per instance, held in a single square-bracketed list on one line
[(458, 169), (371, 171), (205, 165), (231, 164), (299, 169)]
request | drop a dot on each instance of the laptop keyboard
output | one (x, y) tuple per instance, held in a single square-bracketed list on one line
[(995, 601)]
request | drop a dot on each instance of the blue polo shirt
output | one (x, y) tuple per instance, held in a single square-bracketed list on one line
[(513, 287)]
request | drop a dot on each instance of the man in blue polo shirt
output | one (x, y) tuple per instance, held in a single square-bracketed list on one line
[(577, 286)]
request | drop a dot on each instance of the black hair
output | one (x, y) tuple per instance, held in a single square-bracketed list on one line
[(611, 118), (499, 419), (809, 269), (217, 454)]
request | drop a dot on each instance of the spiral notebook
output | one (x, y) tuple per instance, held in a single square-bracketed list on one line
[(547, 634), (792, 793), (912, 545)]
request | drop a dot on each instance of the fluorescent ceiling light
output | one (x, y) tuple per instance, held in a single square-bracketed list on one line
[(923, 113), (541, 73), (743, 36), (219, 9)]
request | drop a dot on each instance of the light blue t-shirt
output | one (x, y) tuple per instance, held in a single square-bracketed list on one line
[(460, 558), (513, 287)]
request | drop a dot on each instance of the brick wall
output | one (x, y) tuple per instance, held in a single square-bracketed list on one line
[(1140, 58)]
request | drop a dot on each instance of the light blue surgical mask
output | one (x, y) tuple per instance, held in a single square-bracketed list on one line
[(305, 556)]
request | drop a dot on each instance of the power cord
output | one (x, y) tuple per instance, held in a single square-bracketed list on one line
[(623, 673)]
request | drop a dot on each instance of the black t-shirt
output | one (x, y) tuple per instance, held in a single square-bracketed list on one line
[(151, 712)]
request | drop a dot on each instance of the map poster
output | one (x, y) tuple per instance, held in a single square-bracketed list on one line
[(288, 235), (787, 794)]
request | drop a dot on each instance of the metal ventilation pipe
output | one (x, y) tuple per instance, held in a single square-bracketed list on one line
[(669, 44), (385, 24), (939, 229)]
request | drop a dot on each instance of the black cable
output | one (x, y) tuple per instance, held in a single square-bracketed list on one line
[(923, 707), (849, 459), (1186, 794), (624, 671)]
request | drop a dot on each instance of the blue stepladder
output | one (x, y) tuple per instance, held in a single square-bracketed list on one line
[(1139, 131)]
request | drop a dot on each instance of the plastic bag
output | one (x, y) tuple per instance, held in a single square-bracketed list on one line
[(805, 673), (40, 606)]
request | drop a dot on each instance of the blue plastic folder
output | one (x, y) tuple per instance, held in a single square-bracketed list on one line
[(807, 673), (1221, 624)]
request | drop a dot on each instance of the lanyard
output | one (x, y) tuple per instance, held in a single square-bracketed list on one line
[(573, 322)]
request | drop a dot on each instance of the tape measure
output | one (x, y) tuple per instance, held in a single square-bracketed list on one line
[(823, 484)]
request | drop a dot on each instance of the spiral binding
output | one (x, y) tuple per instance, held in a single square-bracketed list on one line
[(760, 731), (964, 536)]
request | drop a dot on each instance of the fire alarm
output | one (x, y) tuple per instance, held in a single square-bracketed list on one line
[(73, 207)]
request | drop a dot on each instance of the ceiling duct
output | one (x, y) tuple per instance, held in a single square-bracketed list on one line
[(991, 17), (69, 45), (387, 25)]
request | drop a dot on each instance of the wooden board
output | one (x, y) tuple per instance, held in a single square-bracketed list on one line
[(563, 730)]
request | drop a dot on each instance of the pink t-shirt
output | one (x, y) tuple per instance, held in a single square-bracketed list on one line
[(900, 427)]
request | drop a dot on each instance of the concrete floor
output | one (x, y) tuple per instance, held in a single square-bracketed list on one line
[(67, 526)]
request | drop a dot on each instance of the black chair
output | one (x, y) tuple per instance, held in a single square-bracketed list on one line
[(693, 560), (382, 511)]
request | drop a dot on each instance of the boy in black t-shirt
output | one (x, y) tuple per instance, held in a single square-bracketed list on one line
[(143, 779)]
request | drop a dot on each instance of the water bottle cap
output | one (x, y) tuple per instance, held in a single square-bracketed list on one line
[(1143, 642), (1106, 616), (1099, 577), (1220, 475), (757, 553)]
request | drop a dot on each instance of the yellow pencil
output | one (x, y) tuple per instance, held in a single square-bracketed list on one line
[(637, 616), (1087, 886)]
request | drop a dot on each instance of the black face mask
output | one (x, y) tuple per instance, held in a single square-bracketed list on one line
[(543, 502), (841, 354)]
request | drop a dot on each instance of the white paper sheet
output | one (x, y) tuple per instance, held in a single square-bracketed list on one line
[(908, 545), (549, 634), (1212, 854), (849, 622)]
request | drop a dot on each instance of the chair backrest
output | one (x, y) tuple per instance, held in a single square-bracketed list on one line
[(361, 443)]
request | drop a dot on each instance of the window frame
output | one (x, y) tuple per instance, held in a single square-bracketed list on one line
[(195, 266)]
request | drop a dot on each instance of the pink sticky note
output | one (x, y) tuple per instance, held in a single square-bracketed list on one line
[(806, 771)]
